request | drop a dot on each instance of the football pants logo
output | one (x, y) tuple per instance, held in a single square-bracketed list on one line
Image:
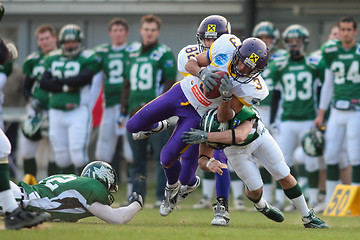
[(211, 28), (254, 57)]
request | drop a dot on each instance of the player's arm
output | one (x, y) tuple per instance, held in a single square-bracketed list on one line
[(29, 82), (83, 78), (111, 215), (194, 65), (49, 84), (325, 98)]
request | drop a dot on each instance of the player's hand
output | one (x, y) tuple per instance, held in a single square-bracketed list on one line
[(121, 121), (195, 136), (207, 77), (135, 197), (215, 166), (225, 88), (318, 121)]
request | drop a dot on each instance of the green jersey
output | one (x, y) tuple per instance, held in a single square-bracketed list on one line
[(297, 79), (33, 67), (147, 72), (6, 68), (65, 197), (250, 114), (266, 76), (62, 67), (346, 68), (113, 64)]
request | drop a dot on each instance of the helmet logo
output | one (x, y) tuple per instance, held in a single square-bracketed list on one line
[(104, 174), (254, 57), (211, 28)]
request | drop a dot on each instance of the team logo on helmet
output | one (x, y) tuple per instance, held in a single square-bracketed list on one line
[(211, 28), (254, 57)]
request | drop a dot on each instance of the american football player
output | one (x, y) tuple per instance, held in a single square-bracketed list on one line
[(211, 28), (38, 100), (15, 216), (243, 62), (341, 85), (68, 74), (297, 76), (247, 137), (69, 198), (151, 71), (113, 59)]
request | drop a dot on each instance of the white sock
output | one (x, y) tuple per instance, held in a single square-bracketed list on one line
[(330, 187), (208, 186), (267, 192), (261, 204), (237, 188), (301, 205), (8, 201), (313, 196)]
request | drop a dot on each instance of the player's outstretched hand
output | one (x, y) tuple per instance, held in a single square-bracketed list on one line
[(135, 197), (121, 121), (195, 136), (225, 88), (207, 77)]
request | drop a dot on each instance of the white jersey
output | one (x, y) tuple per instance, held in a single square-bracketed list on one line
[(220, 56), (188, 52)]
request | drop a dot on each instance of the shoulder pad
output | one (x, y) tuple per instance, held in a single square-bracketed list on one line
[(34, 55), (87, 53), (134, 46), (103, 48), (55, 52)]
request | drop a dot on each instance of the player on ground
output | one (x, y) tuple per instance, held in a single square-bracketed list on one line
[(70, 198), (342, 85), (68, 74), (248, 138), (243, 62)]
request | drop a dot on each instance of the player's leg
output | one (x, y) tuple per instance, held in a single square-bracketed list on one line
[(107, 139), (58, 136), (79, 136), (27, 152), (353, 145)]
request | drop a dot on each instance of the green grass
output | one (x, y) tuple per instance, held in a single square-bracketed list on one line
[(186, 223)]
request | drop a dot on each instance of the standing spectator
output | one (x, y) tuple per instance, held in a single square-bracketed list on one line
[(5, 71), (39, 99), (113, 60), (151, 72), (68, 74), (342, 85)]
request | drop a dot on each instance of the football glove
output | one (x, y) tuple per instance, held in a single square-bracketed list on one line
[(225, 88), (195, 136), (121, 120), (207, 77), (135, 197)]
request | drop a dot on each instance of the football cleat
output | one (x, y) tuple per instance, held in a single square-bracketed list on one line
[(221, 213), (312, 221), (163, 125), (185, 190), (239, 204), (20, 218), (271, 212), (29, 179), (203, 203), (170, 199)]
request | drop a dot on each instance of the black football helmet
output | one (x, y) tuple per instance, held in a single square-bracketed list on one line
[(71, 32), (254, 54), (267, 29), (210, 123), (212, 27), (296, 31)]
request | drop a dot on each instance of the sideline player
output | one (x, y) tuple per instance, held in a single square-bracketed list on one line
[(39, 100), (68, 74), (70, 198), (243, 62), (342, 85), (247, 138)]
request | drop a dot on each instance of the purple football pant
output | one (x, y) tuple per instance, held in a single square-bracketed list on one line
[(171, 103), (222, 181)]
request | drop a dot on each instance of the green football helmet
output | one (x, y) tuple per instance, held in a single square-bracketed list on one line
[(71, 32), (35, 127), (210, 123), (267, 29), (313, 142), (296, 31), (103, 172)]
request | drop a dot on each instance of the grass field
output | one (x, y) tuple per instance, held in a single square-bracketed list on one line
[(186, 223)]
